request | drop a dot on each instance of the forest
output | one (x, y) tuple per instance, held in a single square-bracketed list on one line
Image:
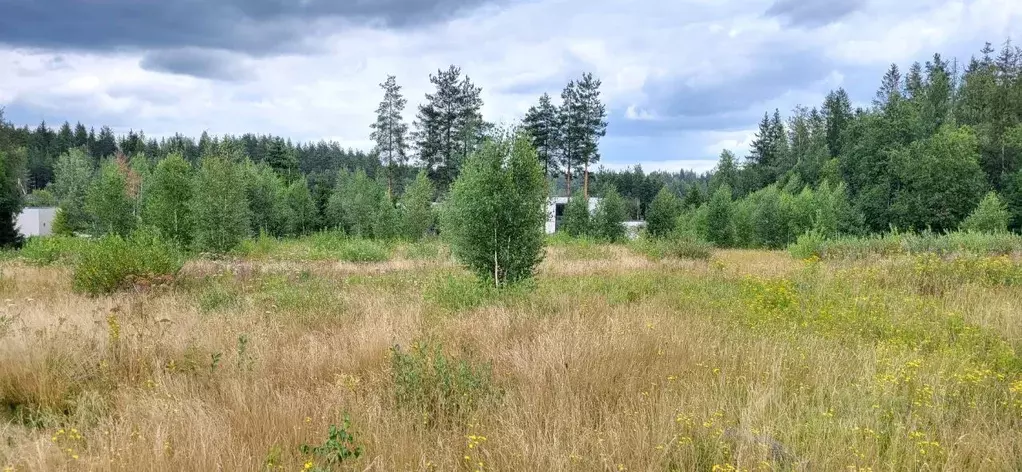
[(938, 138)]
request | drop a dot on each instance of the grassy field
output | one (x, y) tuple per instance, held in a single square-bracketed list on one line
[(285, 359)]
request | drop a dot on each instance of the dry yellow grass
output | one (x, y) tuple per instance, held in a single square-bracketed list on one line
[(750, 361)]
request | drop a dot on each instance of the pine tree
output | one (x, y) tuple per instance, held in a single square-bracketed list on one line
[(542, 122), (494, 215), (390, 131), (583, 123), (169, 204), (449, 125)]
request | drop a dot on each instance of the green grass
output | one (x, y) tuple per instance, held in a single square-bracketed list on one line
[(895, 243)]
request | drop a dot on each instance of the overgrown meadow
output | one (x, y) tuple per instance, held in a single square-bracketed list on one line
[(332, 353)]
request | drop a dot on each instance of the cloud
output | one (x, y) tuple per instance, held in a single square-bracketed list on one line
[(681, 79), (253, 26), (813, 13), (201, 63)]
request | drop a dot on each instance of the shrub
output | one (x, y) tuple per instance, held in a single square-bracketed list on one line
[(168, 206), (990, 216), (363, 250), (443, 388), (495, 212), (720, 229), (417, 208), (662, 213), (52, 249), (108, 203), (111, 262), (40, 197), (676, 245), (610, 216), (576, 221)]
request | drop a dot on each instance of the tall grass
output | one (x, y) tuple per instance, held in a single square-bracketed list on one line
[(753, 362), (896, 243)]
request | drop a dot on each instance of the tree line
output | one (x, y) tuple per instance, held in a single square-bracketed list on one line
[(936, 141)]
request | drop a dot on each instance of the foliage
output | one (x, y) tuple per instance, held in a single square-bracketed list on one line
[(576, 220), (267, 207), (543, 123), (720, 226), (72, 177), (583, 122), (168, 207), (662, 214), (495, 212), (898, 243), (417, 216), (674, 245), (48, 250), (112, 262), (449, 126), (940, 181), (443, 388), (110, 208), (300, 210), (340, 445), (990, 216), (40, 198), (390, 132), (608, 221), (12, 166), (220, 208)]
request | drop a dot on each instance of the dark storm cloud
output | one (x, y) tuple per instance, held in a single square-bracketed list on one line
[(252, 26), (202, 63), (812, 13)]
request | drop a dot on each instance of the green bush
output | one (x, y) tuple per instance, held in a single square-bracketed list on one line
[(676, 246), (662, 213), (364, 250), (494, 214), (990, 216), (52, 249), (608, 222), (443, 388), (576, 221), (112, 262)]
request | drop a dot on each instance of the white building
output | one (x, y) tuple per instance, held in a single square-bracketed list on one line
[(36, 221), (555, 211)]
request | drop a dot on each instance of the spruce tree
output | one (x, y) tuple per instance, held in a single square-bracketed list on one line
[(390, 132), (837, 111), (542, 122)]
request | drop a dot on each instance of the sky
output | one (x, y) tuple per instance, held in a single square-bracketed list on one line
[(682, 79)]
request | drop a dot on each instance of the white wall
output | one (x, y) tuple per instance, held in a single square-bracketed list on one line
[(36, 221)]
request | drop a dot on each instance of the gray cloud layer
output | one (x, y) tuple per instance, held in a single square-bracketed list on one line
[(252, 26), (812, 13)]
